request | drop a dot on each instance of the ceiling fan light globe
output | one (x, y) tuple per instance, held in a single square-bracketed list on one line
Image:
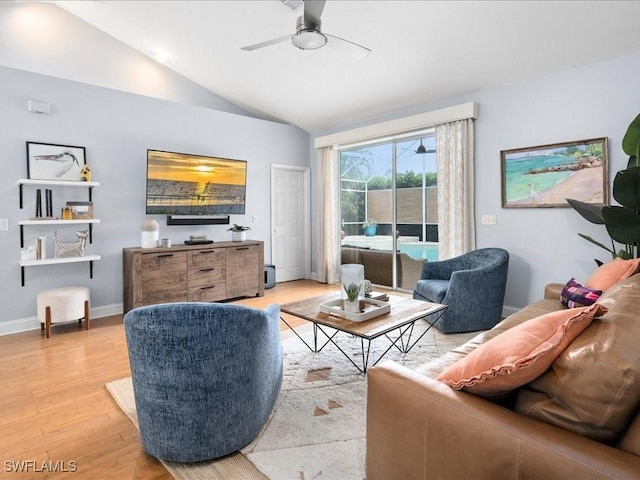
[(421, 149), (308, 39)]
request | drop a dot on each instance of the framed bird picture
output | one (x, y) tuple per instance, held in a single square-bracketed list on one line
[(46, 161)]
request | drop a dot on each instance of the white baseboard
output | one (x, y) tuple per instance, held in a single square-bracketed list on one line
[(32, 323)]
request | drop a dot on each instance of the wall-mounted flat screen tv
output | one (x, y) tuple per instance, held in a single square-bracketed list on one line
[(185, 184)]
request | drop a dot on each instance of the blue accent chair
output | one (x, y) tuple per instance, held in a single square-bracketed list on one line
[(205, 376), (471, 285)]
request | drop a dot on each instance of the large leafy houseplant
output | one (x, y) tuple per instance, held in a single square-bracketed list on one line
[(623, 221)]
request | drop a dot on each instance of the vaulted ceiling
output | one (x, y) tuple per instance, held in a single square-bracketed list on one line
[(421, 51)]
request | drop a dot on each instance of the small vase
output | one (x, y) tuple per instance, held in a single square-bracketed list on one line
[(370, 231), (238, 236), (352, 307)]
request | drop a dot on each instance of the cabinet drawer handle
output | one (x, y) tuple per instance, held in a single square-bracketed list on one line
[(207, 269), (207, 251), (165, 255), (242, 248), (207, 288)]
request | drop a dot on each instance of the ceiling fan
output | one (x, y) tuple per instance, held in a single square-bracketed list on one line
[(421, 150), (309, 35)]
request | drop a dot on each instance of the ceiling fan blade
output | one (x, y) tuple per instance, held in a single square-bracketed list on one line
[(313, 11), (267, 43), (352, 48)]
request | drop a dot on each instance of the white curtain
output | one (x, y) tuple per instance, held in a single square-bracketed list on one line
[(456, 211), (327, 253)]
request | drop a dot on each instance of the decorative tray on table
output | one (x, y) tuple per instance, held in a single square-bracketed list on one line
[(369, 308)]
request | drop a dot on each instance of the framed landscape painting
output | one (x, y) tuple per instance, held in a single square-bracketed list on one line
[(47, 161), (545, 176)]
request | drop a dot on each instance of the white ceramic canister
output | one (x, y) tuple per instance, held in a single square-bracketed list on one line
[(150, 234)]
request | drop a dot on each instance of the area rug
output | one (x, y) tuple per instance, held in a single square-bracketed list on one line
[(317, 428)]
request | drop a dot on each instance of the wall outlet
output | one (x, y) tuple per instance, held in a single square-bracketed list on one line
[(488, 219), (4, 224)]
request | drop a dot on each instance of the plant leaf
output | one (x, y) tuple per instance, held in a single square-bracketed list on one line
[(595, 242), (590, 212), (626, 188), (631, 139), (623, 224), (633, 162)]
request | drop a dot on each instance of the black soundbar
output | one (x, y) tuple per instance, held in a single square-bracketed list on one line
[(198, 220)]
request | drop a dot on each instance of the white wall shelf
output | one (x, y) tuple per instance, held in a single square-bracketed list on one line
[(54, 183), (59, 183), (55, 261), (59, 222)]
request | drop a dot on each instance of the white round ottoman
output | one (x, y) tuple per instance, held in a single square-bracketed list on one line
[(64, 304)]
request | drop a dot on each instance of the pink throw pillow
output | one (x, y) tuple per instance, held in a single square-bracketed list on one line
[(610, 273), (520, 354)]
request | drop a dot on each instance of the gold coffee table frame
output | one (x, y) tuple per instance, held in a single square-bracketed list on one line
[(402, 317)]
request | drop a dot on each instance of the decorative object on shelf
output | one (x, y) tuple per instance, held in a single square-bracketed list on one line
[(546, 175), (49, 202), (81, 210), (41, 248), (238, 232), (38, 203), (29, 253), (66, 213), (48, 196), (70, 249), (54, 162), (165, 243), (370, 227), (85, 173), (150, 234)]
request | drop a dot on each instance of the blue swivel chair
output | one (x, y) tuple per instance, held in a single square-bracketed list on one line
[(205, 376), (472, 286)]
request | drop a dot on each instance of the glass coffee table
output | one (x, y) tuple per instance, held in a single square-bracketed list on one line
[(405, 312)]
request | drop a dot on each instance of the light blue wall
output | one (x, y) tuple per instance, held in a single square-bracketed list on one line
[(117, 128), (598, 100)]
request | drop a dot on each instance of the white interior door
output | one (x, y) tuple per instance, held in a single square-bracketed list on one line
[(290, 199)]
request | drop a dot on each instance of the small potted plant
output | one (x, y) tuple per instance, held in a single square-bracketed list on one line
[(370, 226), (352, 303), (238, 232)]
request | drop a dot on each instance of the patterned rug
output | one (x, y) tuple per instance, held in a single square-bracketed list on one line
[(317, 428)]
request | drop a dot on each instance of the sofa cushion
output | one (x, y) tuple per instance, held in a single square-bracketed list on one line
[(519, 354), (610, 273), (434, 290), (574, 294), (435, 367), (593, 387)]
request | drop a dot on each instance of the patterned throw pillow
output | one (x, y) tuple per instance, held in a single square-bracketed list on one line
[(575, 295)]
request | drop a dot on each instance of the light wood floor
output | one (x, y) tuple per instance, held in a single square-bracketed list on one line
[(54, 406)]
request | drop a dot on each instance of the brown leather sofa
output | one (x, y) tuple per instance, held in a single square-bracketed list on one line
[(420, 428)]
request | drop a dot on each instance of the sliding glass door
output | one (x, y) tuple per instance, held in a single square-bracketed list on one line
[(388, 203)]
